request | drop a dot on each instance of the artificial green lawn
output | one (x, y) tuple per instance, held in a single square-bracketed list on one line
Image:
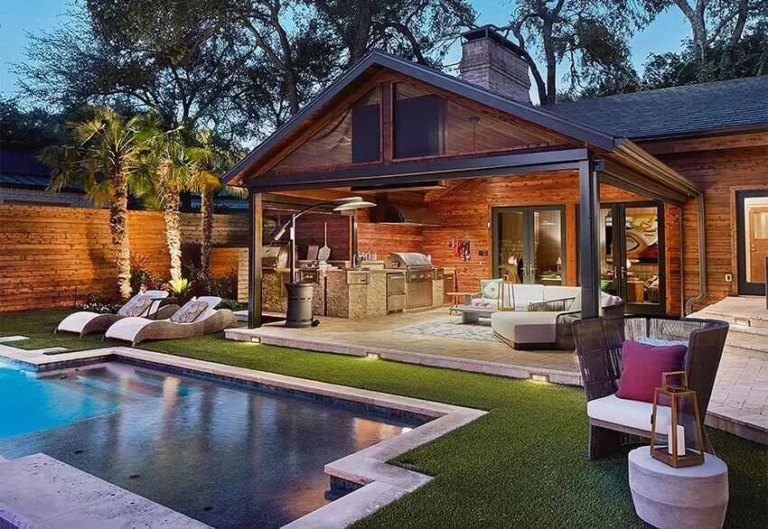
[(39, 325), (521, 465)]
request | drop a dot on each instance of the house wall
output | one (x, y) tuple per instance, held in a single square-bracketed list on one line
[(52, 256), (465, 213), (719, 173)]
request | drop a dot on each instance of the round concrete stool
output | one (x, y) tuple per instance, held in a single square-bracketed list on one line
[(680, 498)]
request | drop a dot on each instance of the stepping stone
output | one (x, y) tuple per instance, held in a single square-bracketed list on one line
[(39, 491), (17, 338)]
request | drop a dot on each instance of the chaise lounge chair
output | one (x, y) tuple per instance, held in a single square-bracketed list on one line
[(196, 318), (146, 304)]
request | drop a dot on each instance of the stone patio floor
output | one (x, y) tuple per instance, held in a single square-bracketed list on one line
[(739, 401)]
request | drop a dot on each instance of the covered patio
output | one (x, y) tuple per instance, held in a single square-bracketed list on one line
[(477, 154)]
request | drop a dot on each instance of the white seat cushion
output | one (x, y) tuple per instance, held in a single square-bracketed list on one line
[(485, 303), (526, 327), (631, 413)]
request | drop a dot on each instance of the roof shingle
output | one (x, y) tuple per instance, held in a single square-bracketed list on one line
[(681, 110)]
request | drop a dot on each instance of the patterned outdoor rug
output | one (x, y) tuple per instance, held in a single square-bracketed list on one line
[(451, 327)]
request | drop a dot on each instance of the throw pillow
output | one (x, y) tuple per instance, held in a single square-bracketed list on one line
[(642, 368), (189, 312), (491, 290), (136, 306)]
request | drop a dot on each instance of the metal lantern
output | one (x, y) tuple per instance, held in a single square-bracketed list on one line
[(684, 439), (506, 295)]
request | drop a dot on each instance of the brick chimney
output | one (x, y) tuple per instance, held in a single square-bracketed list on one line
[(493, 62)]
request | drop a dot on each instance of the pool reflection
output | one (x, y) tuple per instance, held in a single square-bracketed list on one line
[(227, 456)]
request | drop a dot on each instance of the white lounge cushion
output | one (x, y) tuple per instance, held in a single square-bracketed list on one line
[(630, 413), (77, 321), (526, 327), (127, 328)]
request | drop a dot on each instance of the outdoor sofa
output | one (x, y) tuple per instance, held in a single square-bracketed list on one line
[(196, 318), (546, 324), (145, 304), (614, 421)]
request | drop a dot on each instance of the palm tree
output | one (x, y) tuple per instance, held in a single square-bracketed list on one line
[(211, 159), (103, 161), (166, 172)]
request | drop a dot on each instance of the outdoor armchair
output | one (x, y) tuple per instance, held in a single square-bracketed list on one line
[(145, 304), (614, 421)]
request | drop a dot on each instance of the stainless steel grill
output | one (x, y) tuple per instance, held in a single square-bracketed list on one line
[(419, 275)]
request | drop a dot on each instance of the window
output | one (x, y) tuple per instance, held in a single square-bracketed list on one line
[(417, 122)]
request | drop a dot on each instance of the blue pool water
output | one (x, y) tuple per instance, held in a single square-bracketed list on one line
[(227, 455)]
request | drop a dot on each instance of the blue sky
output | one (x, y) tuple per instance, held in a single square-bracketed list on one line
[(20, 17)]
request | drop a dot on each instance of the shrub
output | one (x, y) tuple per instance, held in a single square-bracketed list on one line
[(93, 303), (143, 279)]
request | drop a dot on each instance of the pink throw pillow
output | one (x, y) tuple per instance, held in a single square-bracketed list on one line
[(642, 366)]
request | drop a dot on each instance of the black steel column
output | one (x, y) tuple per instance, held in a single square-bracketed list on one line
[(353, 238), (589, 239), (256, 222)]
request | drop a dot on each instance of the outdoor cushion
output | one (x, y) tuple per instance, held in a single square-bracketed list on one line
[(136, 306), (631, 413), (527, 294), (490, 288), (189, 312), (484, 302), (576, 304), (642, 368), (560, 292), (526, 327), (661, 341)]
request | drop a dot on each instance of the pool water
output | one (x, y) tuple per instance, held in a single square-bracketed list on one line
[(226, 455)]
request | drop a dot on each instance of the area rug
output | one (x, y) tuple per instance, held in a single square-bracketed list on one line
[(451, 327)]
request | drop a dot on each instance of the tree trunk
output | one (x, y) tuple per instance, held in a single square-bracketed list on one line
[(118, 224), (173, 231), (551, 59), (206, 214)]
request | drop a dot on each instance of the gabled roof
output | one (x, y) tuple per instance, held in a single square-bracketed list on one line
[(540, 116), (682, 110)]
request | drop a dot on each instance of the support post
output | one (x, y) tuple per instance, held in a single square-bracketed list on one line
[(353, 239), (255, 244), (589, 239)]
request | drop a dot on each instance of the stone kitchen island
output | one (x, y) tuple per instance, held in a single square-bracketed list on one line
[(338, 292)]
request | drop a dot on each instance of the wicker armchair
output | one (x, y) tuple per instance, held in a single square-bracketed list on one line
[(598, 346)]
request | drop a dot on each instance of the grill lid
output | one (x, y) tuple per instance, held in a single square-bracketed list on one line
[(407, 260)]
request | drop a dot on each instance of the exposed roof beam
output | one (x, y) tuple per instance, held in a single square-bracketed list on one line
[(408, 173)]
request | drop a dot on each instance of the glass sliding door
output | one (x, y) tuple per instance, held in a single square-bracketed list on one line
[(631, 255), (752, 236), (529, 244)]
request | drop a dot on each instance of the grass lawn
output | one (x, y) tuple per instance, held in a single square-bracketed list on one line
[(521, 465), (39, 325)]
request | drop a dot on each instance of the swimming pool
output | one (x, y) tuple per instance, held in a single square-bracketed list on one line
[(224, 454)]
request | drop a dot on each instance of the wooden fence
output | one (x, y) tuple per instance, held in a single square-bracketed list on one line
[(52, 256)]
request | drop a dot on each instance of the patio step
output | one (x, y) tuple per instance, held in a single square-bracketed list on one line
[(744, 337)]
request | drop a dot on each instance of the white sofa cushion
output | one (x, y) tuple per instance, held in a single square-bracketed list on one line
[(526, 327), (630, 413), (527, 294), (553, 292)]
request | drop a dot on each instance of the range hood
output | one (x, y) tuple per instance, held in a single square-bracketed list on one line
[(389, 213)]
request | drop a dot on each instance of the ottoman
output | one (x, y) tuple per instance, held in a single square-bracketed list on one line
[(681, 498)]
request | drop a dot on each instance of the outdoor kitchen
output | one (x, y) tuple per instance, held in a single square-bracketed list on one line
[(347, 281)]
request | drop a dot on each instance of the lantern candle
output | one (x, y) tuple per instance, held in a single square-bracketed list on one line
[(680, 440)]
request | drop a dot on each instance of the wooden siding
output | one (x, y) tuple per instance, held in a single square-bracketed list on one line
[(52, 256), (719, 174), (385, 239), (465, 213)]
